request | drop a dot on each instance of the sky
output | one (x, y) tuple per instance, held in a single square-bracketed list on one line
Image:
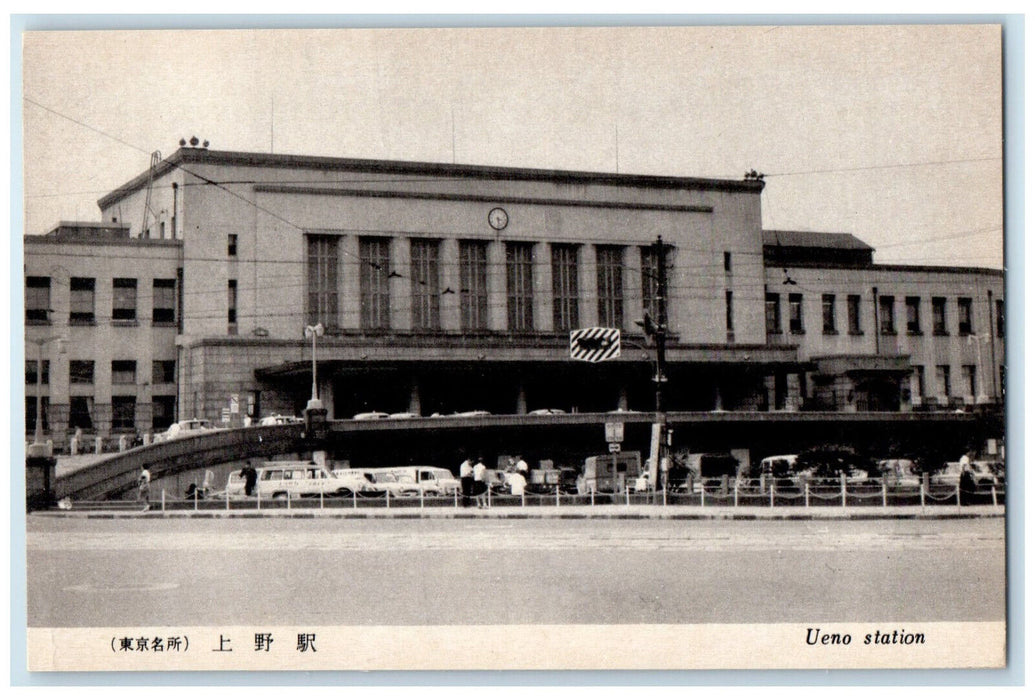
[(891, 133)]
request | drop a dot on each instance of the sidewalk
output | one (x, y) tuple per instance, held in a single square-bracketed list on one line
[(564, 512)]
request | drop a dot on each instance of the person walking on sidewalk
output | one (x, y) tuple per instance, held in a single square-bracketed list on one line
[(467, 481), (481, 486), (144, 487)]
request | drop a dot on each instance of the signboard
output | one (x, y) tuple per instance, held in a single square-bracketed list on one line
[(235, 404), (614, 447), (595, 344), (225, 415), (614, 432)]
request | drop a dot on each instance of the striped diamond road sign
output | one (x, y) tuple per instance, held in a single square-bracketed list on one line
[(596, 344)]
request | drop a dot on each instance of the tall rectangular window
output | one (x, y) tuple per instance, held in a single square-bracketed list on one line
[(564, 266), (231, 245), (37, 299), (374, 294), (162, 410), (80, 372), (322, 280), (887, 315), (964, 307), (938, 325), (30, 413), (970, 380), (829, 314), (944, 386), (124, 299), (123, 371), (773, 323), (649, 276), (854, 314), (610, 297), (1000, 319), (796, 322), (231, 302), (474, 289), (729, 310), (727, 262), (163, 306), (80, 412), (163, 372), (123, 412), (81, 301), (425, 288), (519, 286), (913, 315), (30, 373)]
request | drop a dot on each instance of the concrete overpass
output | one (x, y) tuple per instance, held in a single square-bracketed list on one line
[(442, 441)]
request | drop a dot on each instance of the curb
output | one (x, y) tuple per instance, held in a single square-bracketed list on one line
[(547, 513)]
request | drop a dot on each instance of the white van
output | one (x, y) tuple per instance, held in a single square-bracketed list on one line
[(779, 464), (433, 481), (289, 480), (405, 481)]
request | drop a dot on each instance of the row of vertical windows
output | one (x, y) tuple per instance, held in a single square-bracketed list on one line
[(82, 300), (885, 315), (123, 412), (122, 372), (943, 386), (376, 272)]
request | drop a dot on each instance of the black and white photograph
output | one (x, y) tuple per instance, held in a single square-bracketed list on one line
[(513, 348)]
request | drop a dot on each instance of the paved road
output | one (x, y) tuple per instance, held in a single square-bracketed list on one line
[(412, 572)]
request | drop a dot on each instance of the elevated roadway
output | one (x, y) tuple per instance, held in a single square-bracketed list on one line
[(441, 440)]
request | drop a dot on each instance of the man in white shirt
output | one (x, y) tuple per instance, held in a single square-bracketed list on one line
[(481, 487), (467, 480), (144, 487)]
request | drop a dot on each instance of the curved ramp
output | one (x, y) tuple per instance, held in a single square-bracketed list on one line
[(118, 474)]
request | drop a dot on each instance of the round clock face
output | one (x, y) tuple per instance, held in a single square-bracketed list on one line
[(498, 218)]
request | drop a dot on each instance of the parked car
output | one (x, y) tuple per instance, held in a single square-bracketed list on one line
[(471, 414), (433, 481), (899, 473), (404, 415), (185, 428), (359, 482), (370, 415), (547, 412), (281, 420)]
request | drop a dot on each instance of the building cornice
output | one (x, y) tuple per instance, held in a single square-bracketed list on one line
[(184, 157)]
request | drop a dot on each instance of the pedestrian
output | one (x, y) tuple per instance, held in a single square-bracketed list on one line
[(467, 480), (144, 487), (250, 478), (481, 486), (517, 483), (967, 486), (521, 467)]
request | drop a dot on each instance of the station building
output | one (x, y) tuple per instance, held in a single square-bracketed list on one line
[(448, 288)]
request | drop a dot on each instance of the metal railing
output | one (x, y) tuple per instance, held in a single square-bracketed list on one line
[(723, 492)]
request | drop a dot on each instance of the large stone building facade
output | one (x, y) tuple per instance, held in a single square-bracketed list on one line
[(447, 288)]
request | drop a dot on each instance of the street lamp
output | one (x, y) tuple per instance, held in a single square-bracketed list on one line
[(314, 332), (38, 448)]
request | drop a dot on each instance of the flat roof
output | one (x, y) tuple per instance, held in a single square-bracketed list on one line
[(184, 156), (813, 239)]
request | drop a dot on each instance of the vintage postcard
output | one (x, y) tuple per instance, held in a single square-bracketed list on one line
[(594, 348)]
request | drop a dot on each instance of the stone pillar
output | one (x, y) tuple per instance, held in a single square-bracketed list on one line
[(496, 283), (793, 400), (623, 398), (718, 397), (770, 392), (542, 285), (522, 403), (414, 406)]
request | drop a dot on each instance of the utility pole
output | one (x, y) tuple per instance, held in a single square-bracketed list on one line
[(660, 379)]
